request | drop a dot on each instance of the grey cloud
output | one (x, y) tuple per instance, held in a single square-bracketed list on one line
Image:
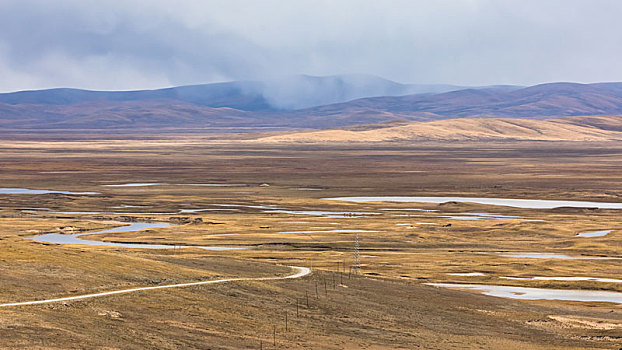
[(148, 44)]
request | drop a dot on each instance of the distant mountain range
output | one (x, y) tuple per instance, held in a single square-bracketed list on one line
[(296, 102), (296, 92)]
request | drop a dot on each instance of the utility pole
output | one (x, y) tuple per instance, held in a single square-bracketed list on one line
[(357, 256), (317, 295)]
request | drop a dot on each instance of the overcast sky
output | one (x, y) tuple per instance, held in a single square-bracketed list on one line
[(129, 44)]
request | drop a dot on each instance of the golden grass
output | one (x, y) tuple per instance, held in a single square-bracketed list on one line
[(387, 308), (471, 129)]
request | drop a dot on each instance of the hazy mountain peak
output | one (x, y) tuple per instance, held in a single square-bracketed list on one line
[(303, 91), (286, 93)]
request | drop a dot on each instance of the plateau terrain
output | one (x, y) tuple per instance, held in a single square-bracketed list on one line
[(181, 241)]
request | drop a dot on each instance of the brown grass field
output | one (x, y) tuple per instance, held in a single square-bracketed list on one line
[(387, 306)]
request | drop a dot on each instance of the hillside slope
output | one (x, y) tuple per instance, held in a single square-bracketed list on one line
[(599, 128), (539, 102)]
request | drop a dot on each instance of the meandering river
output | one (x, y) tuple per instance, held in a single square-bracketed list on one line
[(132, 227)]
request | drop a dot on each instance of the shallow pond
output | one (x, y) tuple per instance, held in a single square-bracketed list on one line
[(325, 214), (418, 223), (570, 279), (467, 274), (142, 184), (525, 293), (132, 206), (553, 256), (136, 184), (76, 212), (408, 209), (214, 185), (517, 203), (266, 206), (14, 190), (330, 231), (185, 211), (180, 211), (594, 234)]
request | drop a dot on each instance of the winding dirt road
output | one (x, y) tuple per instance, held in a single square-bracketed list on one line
[(300, 272)]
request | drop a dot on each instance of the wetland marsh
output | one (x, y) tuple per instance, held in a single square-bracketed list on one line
[(469, 245)]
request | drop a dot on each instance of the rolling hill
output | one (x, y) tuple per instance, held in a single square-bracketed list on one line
[(593, 128), (539, 102)]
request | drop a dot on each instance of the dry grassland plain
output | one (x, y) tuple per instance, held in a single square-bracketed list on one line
[(268, 199)]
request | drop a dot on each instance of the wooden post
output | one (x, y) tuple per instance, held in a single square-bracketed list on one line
[(286, 328), (325, 290), (261, 345), (307, 296), (296, 307), (274, 335)]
